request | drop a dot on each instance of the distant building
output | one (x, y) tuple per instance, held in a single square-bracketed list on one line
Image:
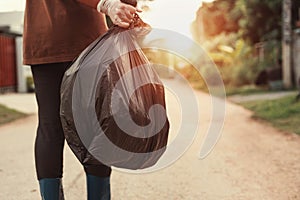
[(13, 73)]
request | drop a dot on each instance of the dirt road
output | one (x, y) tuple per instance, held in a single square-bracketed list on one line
[(251, 161)]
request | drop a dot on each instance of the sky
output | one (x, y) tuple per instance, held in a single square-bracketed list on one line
[(172, 14), (12, 5), (167, 14)]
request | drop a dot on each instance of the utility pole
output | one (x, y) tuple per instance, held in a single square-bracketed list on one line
[(287, 43)]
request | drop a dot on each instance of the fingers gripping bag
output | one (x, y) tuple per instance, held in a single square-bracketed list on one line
[(113, 103)]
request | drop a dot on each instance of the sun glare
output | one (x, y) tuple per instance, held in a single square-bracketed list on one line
[(174, 15)]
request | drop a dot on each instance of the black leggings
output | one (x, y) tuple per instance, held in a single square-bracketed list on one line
[(49, 141)]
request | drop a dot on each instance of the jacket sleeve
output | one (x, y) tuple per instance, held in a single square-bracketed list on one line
[(91, 3)]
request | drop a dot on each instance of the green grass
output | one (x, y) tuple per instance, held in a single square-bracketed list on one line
[(245, 90), (8, 115), (251, 89), (283, 113)]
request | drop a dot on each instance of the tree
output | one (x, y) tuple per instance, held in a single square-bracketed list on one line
[(214, 18), (254, 20), (261, 20)]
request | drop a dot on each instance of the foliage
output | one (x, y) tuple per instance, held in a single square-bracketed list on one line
[(254, 20), (232, 30), (30, 84), (261, 20), (215, 19), (235, 59), (193, 76)]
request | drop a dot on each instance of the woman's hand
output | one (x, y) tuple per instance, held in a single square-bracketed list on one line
[(120, 13)]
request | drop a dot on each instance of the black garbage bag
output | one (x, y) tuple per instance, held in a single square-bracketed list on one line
[(112, 103)]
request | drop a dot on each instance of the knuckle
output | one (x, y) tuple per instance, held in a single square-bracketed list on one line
[(122, 6), (119, 15)]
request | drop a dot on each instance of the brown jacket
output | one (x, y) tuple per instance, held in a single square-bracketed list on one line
[(58, 30)]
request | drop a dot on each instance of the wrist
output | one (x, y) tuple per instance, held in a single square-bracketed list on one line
[(100, 6)]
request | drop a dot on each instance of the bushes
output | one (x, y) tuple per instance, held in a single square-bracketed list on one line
[(238, 61), (243, 73), (235, 59), (29, 84)]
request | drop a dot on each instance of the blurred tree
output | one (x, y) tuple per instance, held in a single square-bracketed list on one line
[(261, 20), (254, 20), (215, 18)]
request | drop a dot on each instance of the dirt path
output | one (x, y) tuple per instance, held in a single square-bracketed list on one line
[(252, 161)]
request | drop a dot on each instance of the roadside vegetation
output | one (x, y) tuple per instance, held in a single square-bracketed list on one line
[(243, 38), (282, 113), (8, 115), (252, 89)]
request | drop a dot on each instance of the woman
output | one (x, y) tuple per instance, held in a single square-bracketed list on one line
[(55, 32)]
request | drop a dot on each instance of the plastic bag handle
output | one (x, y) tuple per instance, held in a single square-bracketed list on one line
[(130, 2)]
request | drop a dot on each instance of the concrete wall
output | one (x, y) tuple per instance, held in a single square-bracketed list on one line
[(12, 19)]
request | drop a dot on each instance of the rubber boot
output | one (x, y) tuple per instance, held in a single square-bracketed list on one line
[(51, 189), (98, 188)]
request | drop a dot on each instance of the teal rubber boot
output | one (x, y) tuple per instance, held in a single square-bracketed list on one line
[(51, 189), (98, 188)]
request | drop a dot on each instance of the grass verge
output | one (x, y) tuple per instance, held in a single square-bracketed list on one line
[(251, 89), (283, 113), (246, 90), (8, 115)]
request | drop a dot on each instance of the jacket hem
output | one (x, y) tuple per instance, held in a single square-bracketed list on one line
[(51, 59)]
